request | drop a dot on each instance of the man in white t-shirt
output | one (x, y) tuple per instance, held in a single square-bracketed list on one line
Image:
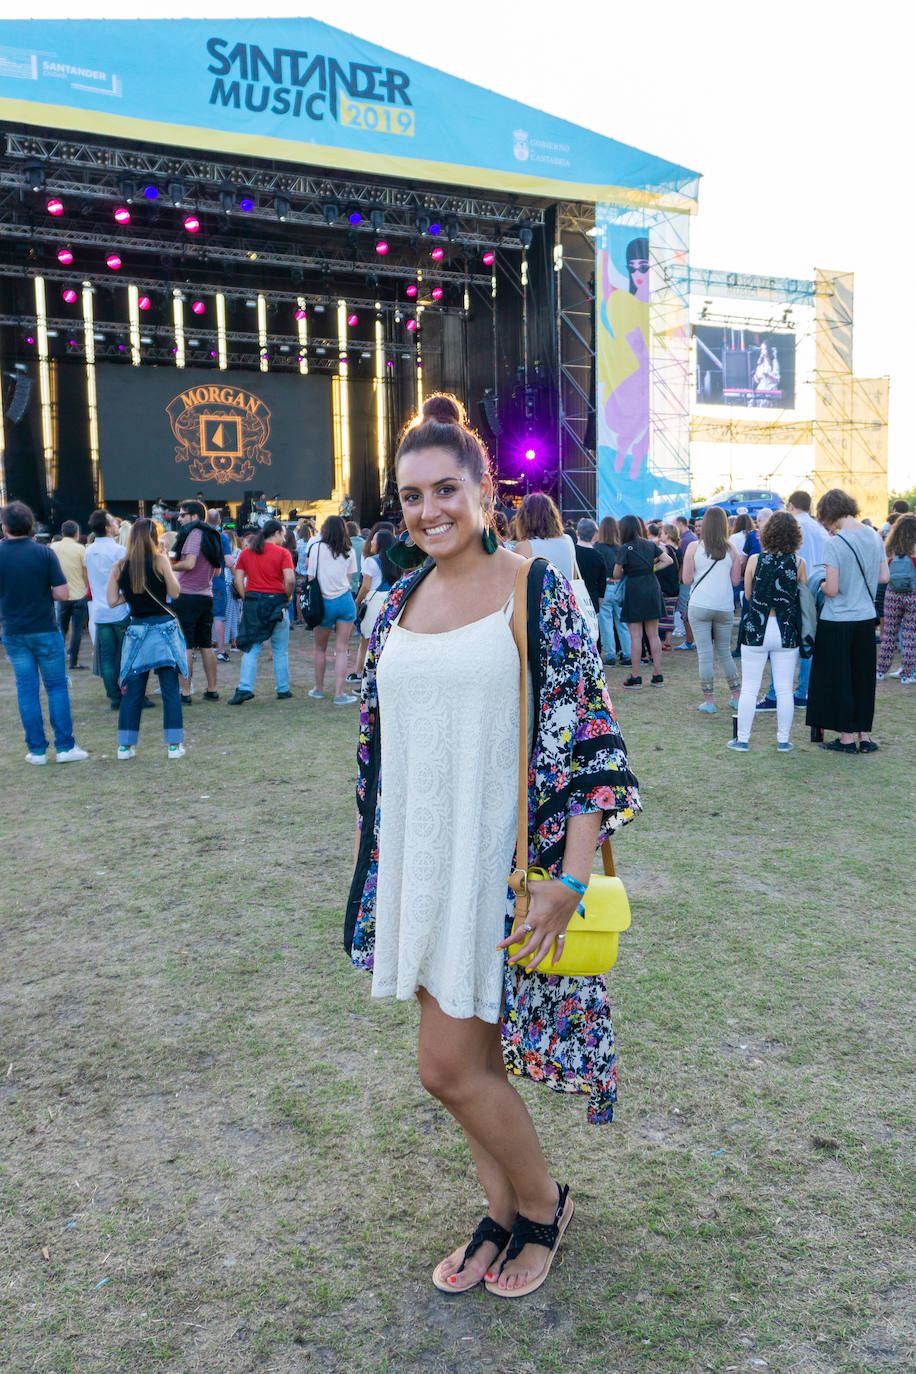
[(108, 623)]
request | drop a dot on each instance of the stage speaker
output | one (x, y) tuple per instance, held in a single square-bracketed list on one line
[(737, 369), (19, 400), (489, 407)]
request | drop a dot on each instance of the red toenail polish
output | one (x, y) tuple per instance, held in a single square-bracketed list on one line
[(452, 1279)]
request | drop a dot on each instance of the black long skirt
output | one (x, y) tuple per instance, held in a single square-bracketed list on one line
[(841, 693)]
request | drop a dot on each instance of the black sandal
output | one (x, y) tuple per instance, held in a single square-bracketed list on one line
[(488, 1230), (528, 1232), (836, 746)]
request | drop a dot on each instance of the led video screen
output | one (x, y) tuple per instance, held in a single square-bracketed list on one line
[(171, 432), (750, 368)]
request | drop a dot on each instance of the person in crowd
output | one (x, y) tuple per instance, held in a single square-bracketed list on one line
[(379, 576), (685, 537), (233, 600), (166, 540), (712, 568), (841, 692), (501, 526), (123, 532), (811, 553), (109, 622), (31, 582), (332, 561), (669, 579), (900, 602), (590, 563), (356, 544), (613, 628), (197, 555), (900, 507), (738, 537), (73, 613), (438, 798), (152, 641), (265, 579), (540, 533), (772, 625), (218, 587), (638, 557), (290, 544)]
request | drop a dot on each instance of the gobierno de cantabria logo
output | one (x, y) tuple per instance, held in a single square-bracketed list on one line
[(222, 433)]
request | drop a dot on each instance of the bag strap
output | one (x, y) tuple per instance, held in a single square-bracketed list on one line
[(851, 549), (518, 880)]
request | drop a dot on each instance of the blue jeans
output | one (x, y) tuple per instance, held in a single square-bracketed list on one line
[(609, 622), (73, 615), (279, 643), (109, 637), (132, 707), (31, 656), (804, 673)]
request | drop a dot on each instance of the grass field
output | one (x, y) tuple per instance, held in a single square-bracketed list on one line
[(214, 1151)]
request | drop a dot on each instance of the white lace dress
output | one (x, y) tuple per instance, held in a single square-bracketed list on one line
[(448, 712)]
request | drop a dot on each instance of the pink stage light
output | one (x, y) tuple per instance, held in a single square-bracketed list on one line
[(69, 295), (489, 259), (114, 262), (437, 293), (300, 314), (381, 248), (122, 215), (437, 254), (64, 256), (352, 321), (198, 307), (412, 290), (144, 302), (30, 339), (192, 224), (411, 325), (55, 207), (212, 352)]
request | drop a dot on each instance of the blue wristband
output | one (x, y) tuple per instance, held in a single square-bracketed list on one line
[(576, 887)]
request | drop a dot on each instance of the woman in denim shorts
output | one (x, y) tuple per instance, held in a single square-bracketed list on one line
[(332, 561)]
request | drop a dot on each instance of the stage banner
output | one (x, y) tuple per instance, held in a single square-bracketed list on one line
[(299, 90), (642, 360), (171, 432)]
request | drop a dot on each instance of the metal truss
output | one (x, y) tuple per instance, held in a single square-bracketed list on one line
[(706, 282), (396, 201), (574, 267)]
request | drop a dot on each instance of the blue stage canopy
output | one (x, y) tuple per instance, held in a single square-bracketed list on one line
[(297, 90)]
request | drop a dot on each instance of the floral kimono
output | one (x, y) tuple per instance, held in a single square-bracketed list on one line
[(555, 1030)]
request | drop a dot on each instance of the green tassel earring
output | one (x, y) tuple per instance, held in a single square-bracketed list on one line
[(489, 540)]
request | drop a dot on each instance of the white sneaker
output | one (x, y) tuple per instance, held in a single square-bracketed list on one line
[(126, 751), (177, 751), (908, 681), (345, 700), (36, 758), (316, 695), (74, 755)]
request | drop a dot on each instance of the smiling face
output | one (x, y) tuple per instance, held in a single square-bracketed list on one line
[(442, 504)]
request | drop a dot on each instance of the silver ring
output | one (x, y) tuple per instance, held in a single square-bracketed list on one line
[(561, 937), (526, 927)]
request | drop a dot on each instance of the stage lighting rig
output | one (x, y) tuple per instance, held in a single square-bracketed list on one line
[(376, 218), (127, 189), (525, 233), (176, 193), (331, 211), (452, 228), (422, 221), (227, 199), (34, 175), (282, 208)]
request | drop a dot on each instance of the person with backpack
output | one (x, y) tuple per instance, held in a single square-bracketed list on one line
[(900, 601), (841, 694)]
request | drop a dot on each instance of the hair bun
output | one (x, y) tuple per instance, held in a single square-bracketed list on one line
[(445, 409)]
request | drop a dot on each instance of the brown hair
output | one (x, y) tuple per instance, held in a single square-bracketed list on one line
[(714, 533), (742, 523), (608, 532), (781, 534), (443, 423), (142, 548), (834, 505), (538, 518), (334, 533), (800, 500), (901, 539)]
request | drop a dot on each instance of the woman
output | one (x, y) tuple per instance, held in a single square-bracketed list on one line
[(379, 575), (428, 905), (291, 544), (772, 626), (900, 606), (332, 561), (669, 579), (152, 642), (611, 624), (233, 600), (712, 569), (637, 561), (265, 579), (540, 533), (841, 693)]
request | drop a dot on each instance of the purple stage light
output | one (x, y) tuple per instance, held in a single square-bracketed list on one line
[(412, 290), (434, 229), (246, 205), (437, 254), (381, 248), (151, 192), (212, 352), (144, 302), (355, 218), (198, 307), (411, 325), (530, 455), (300, 314), (120, 348), (122, 215), (64, 256), (489, 258), (71, 343), (113, 261), (55, 207), (69, 295), (192, 224), (437, 293), (352, 321)]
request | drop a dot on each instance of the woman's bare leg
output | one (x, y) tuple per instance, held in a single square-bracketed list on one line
[(458, 1066), (342, 656), (321, 656), (655, 644)]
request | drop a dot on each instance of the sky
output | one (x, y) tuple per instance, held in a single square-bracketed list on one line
[(797, 113)]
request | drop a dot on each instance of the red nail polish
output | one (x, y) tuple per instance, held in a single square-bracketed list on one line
[(451, 1279)]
